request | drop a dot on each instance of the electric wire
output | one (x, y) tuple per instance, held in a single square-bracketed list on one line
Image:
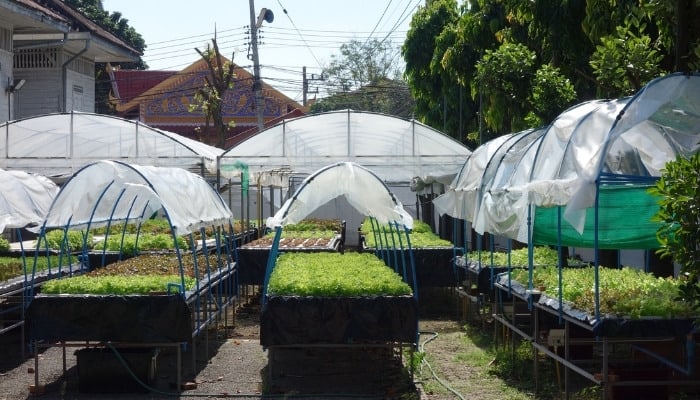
[(378, 22), (231, 40), (300, 35)]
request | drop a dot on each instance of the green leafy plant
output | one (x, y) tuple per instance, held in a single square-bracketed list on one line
[(334, 275), (160, 241), (113, 284), (541, 255), (67, 241), (421, 236), (4, 244), (11, 267), (626, 292), (679, 212)]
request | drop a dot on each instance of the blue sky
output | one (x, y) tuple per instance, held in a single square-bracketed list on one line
[(307, 35)]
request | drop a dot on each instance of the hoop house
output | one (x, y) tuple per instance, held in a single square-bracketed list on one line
[(400, 152), (57, 145), (114, 191), (396, 150), (106, 193), (362, 188), (344, 320), (24, 201)]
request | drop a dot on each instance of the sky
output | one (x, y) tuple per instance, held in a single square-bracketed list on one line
[(303, 33)]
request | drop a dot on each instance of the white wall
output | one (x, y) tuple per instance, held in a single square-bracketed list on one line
[(80, 91)]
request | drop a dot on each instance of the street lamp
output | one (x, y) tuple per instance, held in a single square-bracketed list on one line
[(12, 87)]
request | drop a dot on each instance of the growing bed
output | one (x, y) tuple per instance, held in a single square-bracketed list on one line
[(194, 297), (336, 299), (643, 335), (309, 235), (434, 257)]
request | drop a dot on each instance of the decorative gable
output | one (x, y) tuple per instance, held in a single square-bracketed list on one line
[(167, 104)]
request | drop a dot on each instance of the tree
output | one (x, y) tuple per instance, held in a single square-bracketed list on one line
[(527, 61), (359, 64), (627, 59), (386, 96), (209, 98), (365, 76), (437, 94), (679, 215)]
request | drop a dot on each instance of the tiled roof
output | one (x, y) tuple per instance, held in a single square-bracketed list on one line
[(129, 84)]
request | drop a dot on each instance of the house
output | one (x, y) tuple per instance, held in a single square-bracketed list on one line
[(162, 99), (48, 53)]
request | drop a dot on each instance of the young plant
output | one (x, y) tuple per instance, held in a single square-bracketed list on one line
[(334, 275)]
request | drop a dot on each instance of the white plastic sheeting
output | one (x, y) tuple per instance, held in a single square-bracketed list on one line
[(633, 136), (395, 149), (24, 199), (57, 145), (661, 122), (461, 200), (363, 190), (115, 191)]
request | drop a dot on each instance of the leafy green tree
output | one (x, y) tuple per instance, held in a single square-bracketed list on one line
[(566, 51), (679, 193), (360, 63), (627, 59), (436, 92), (209, 98), (386, 96), (365, 76)]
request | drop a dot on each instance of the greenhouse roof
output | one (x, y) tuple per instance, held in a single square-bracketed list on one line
[(57, 145), (395, 149), (114, 191), (628, 138), (24, 199), (363, 189)]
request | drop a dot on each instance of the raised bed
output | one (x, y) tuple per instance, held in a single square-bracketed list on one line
[(616, 348), (353, 319), (84, 309), (309, 236), (433, 256)]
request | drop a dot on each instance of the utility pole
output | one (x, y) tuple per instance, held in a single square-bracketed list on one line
[(305, 85), (257, 84)]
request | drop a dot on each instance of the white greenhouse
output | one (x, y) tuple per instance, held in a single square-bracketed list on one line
[(404, 154), (582, 180), (57, 145)]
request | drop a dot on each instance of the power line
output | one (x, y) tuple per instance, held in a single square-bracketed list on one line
[(300, 35)]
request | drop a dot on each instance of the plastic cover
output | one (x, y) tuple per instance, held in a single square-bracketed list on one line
[(661, 122), (462, 199), (24, 199), (628, 137), (397, 150), (57, 145), (116, 191), (360, 186)]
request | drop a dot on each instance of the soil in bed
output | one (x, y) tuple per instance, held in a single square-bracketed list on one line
[(156, 264)]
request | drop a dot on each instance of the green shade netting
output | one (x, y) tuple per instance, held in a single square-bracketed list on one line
[(625, 215)]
